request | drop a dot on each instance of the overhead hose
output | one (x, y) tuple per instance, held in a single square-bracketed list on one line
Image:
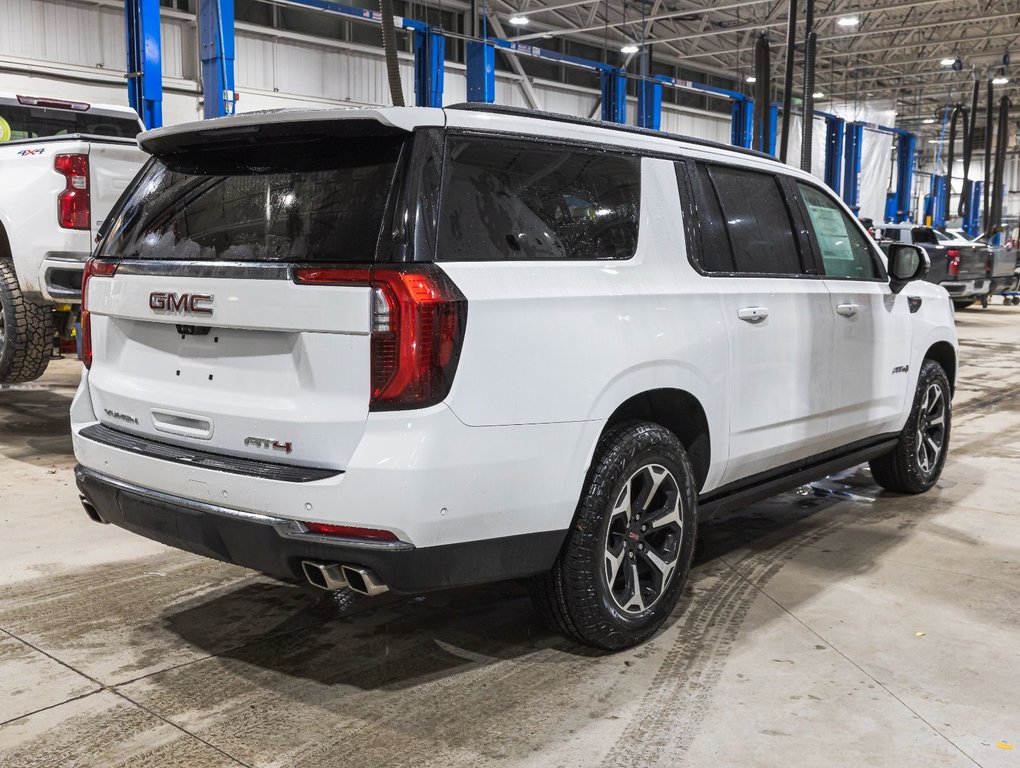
[(389, 44), (762, 87), (994, 224), (988, 156), (791, 45), (809, 102), (968, 150), (958, 110)]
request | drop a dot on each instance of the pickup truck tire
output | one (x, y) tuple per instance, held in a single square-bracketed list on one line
[(916, 462), (26, 332), (963, 303), (628, 552)]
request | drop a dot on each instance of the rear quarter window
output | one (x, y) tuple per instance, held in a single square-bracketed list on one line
[(508, 200)]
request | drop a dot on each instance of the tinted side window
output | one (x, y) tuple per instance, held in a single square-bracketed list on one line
[(758, 222), (712, 250), (843, 249), (517, 200), (923, 236)]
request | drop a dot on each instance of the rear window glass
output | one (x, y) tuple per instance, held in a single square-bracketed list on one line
[(315, 201), (18, 121), (516, 200), (923, 236)]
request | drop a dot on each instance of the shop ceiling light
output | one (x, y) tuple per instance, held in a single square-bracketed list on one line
[(629, 48), (751, 79), (947, 62), (928, 120), (1000, 80), (817, 95), (848, 21), (519, 21)]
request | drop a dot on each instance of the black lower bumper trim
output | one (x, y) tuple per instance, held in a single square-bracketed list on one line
[(254, 542)]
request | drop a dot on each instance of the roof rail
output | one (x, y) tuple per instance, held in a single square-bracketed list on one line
[(470, 106)]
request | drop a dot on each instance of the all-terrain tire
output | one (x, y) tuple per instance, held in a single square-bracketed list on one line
[(26, 332), (638, 507), (913, 466)]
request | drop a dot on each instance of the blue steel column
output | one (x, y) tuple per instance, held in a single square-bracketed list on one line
[(429, 51), (614, 96), (144, 70), (216, 49), (852, 165), (833, 152), (649, 103), (770, 130), (743, 122), (481, 72), (906, 145)]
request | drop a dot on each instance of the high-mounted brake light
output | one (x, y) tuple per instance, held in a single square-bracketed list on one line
[(74, 202), (418, 321), (326, 529), (954, 262), (93, 268), (36, 101)]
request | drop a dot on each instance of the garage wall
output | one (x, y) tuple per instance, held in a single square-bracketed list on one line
[(76, 49)]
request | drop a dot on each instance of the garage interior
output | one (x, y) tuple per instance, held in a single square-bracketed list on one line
[(833, 625)]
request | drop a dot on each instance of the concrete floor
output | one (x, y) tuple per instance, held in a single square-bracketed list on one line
[(831, 626)]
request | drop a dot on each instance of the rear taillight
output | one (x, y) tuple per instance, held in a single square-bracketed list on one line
[(73, 204), (954, 262), (418, 321), (93, 268)]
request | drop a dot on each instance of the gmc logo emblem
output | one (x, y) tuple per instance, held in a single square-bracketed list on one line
[(182, 303)]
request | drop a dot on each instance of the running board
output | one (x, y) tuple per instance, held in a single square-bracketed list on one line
[(777, 481)]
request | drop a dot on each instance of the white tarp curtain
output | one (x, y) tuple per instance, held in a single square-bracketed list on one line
[(817, 145), (876, 167)]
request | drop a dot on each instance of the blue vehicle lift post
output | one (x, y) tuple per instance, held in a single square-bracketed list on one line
[(429, 52), (144, 66), (614, 95), (216, 50), (834, 132), (906, 146), (649, 102), (852, 165), (481, 72)]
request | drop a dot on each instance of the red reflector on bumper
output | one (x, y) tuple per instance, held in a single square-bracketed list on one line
[(350, 532)]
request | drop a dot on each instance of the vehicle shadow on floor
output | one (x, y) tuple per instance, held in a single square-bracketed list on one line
[(400, 642)]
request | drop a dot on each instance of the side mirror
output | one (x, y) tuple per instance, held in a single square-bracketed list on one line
[(906, 264)]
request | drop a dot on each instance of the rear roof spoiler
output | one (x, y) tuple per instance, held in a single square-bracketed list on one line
[(258, 126)]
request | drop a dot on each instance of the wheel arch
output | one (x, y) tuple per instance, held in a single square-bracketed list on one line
[(943, 353), (681, 413), (5, 245)]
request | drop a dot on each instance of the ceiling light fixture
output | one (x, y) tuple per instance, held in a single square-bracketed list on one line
[(947, 62), (848, 21), (928, 120), (1000, 80), (629, 48), (817, 95), (751, 79), (519, 21)]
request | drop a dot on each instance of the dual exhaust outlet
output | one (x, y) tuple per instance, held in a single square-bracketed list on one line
[(334, 576)]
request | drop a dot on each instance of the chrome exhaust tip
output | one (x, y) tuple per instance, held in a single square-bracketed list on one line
[(324, 575), (363, 581), (91, 511)]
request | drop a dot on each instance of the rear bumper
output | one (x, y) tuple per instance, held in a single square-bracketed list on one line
[(277, 546), (961, 289)]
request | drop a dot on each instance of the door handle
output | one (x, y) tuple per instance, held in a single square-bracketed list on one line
[(753, 314), (847, 310)]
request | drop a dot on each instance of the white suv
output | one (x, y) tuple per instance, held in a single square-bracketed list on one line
[(410, 349)]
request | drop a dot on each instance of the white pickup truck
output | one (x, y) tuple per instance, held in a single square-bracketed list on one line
[(63, 165)]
